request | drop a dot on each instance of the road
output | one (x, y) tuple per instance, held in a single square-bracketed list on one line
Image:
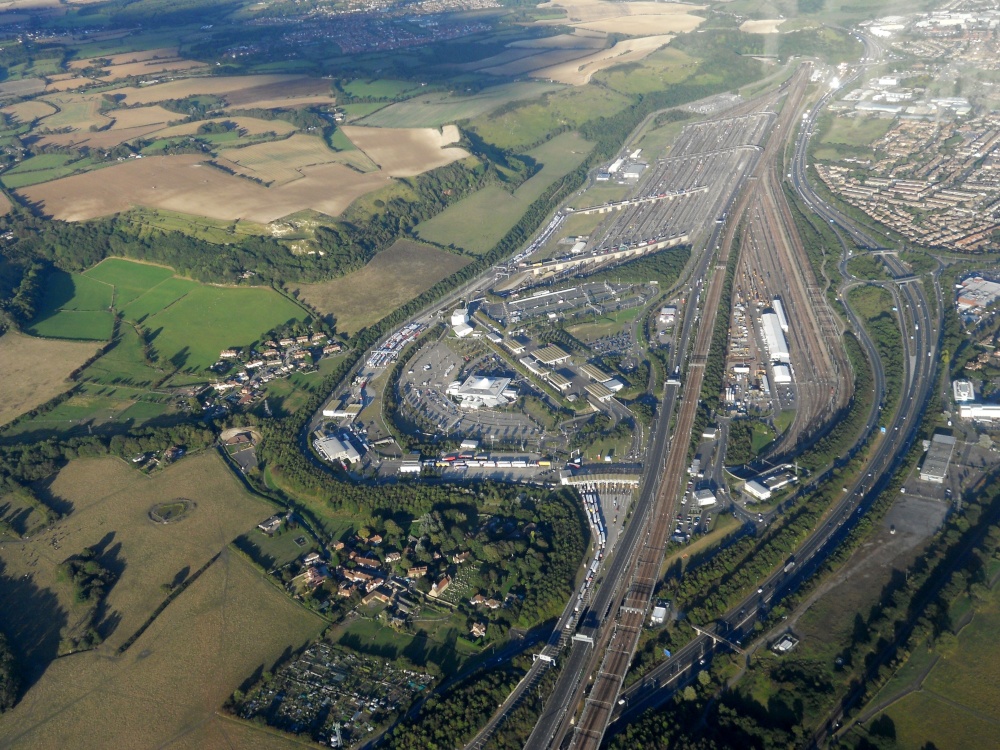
[(888, 451)]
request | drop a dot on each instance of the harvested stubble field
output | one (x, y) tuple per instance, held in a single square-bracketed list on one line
[(637, 18), (279, 162), (186, 184), (139, 63), (34, 370), (407, 152), (762, 26), (578, 72), (28, 111), (165, 691), (390, 280)]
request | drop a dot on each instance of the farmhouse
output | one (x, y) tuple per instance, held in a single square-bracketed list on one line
[(271, 525)]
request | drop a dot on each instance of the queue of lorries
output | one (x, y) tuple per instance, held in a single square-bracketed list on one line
[(591, 505)]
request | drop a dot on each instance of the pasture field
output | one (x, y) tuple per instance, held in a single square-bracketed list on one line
[(379, 88), (528, 123), (662, 68), (108, 504), (174, 310), (440, 108), (958, 703), (278, 162), (211, 230), (409, 151), (166, 690), (129, 278), (37, 176), (358, 110), (124, 364), (209, 319), (251, 125), (477, 223), (95, 407), (390, 280), (84, 325), (185, 184), (74, 307), (78, 111), (856, 131), (157, 298), (35, 370)]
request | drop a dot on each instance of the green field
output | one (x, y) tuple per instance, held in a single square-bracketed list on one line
[(856, 131), (475, 224), (379, 88), (129, 279), (664, 67), (437, 642), (192, 332), (188, 323), (441, 108), (958, 705), (74, 307), (604, 325), (529, 123), (94, 407)]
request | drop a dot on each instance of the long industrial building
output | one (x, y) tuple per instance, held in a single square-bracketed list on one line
[(774, 338), (779, 310)]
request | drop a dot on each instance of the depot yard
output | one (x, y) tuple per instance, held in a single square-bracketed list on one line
[(34, 370), (390, 280)]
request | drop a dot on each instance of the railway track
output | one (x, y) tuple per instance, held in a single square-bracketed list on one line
[(637, 591)]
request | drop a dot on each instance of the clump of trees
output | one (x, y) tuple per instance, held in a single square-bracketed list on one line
[(10, 681)]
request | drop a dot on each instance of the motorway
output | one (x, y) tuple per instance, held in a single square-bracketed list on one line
[(887, 452)]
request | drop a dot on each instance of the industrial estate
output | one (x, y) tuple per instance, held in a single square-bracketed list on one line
[(485, 374)]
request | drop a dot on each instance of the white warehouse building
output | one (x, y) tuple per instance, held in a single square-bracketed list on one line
[(774, 338), (782, 374)]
